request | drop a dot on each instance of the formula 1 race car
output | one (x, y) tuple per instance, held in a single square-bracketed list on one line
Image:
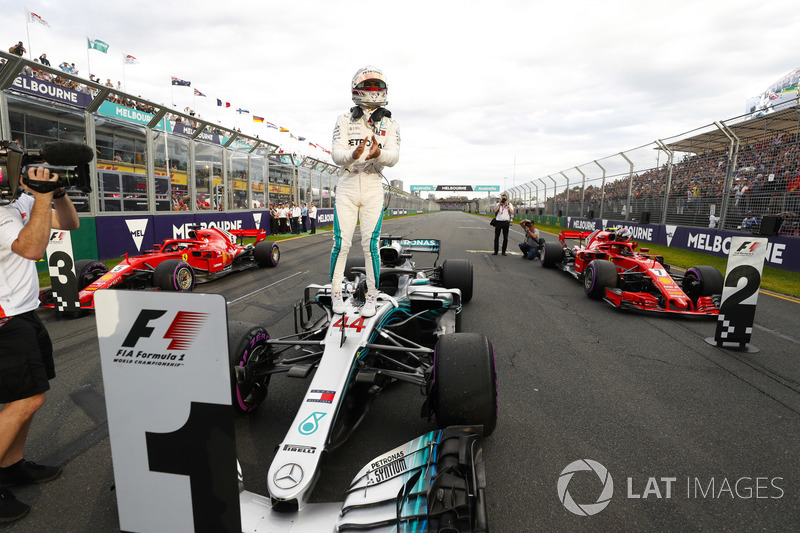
[(610, 267), (433, 483), (175, 264)]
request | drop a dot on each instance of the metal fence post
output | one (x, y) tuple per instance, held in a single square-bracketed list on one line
[(602, 189), (630, 188)]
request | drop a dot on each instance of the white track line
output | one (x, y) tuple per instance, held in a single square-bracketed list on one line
[(248, 295)]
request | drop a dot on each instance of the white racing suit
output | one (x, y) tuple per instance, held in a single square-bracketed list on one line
[(359, 193)]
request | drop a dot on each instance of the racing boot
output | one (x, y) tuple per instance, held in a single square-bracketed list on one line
[(337, 303), (368, 309)]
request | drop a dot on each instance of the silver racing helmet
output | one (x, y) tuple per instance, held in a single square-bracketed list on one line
[(369, 88)]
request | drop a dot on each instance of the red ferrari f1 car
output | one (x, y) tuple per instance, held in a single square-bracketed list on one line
[(175, 264), (610, 267)]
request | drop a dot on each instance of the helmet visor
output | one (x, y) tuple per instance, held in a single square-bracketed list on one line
[(372, 84)]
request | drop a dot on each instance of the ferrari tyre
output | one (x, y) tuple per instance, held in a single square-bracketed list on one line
[(551, 253), (249, 355), (465, 382), (702, 280), (267, 254), (174, 275), (87, 271), (457, 274), (357, 262), (598, 275)]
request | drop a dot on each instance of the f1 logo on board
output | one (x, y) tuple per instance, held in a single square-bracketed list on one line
[(181, 331), (746, 248)]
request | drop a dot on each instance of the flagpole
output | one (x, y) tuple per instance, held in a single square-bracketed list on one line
[(88, 61), (172, 92), (124, 79), (28, 31)]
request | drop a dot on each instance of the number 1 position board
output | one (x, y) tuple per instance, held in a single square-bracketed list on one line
[(164, 358)]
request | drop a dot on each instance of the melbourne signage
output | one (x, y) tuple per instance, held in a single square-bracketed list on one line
[(183, 129), (51, 91), (454, 188), (110, 109)]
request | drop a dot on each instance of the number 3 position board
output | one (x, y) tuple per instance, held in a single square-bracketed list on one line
[(164, 358)]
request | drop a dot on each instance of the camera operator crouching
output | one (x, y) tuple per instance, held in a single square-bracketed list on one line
[(530, 248), (503, 212), (26, 352)]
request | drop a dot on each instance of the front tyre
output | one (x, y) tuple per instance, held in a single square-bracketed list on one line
[(457, 274), (598, 275), (174, 275), (87, 271), (267, 254), (465, 382), (250, 356), (702, 280)]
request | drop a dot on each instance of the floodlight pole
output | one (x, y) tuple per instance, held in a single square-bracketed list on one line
[(602, 189), (566, 201), (732, 156), (630, 188), (670, 155)]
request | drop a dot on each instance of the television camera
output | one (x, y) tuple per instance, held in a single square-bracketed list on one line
[(67, 159)]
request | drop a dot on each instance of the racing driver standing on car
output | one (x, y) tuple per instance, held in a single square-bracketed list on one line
[(365, 140)]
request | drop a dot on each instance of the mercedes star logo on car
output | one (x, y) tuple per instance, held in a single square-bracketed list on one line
[(288, 476)]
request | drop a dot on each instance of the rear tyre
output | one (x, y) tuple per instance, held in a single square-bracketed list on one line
[(551, 253), (465, 382), (702, 280), (174, 275), (457, 274), (87, 271), (250, 356), (267, 254), (598, 275)]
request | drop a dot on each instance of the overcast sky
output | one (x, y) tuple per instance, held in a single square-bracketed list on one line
[(498, 92)]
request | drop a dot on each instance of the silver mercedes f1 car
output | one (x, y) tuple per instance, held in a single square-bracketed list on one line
[(435, 482)]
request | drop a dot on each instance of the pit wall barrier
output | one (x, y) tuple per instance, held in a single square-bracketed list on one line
[(782, 252), (108, 237)]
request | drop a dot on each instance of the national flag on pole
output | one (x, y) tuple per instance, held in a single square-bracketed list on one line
[(271, 125), (130, 60), (312, 144), (219, 103), (282, 129), (198, 93), (258, 119), (178, 81), (30, 16), (301, 138), (98, 45), (240, 110)]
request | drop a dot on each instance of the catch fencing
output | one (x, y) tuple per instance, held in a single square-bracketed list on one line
[(737, 174)]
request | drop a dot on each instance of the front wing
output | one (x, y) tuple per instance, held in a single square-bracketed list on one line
[(434, 482), (647, 303)]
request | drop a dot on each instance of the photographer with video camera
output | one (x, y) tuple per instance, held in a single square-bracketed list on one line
[(503, 212), (26, 352)]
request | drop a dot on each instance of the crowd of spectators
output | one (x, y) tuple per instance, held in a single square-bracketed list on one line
[(766, 181)]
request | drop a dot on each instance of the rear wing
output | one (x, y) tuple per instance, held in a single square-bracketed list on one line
[(412, 245), (259, 234), (573, 235)]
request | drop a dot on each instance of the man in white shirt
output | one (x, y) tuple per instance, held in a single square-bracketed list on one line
[(503, 212), (26, 352), (312, 216)]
